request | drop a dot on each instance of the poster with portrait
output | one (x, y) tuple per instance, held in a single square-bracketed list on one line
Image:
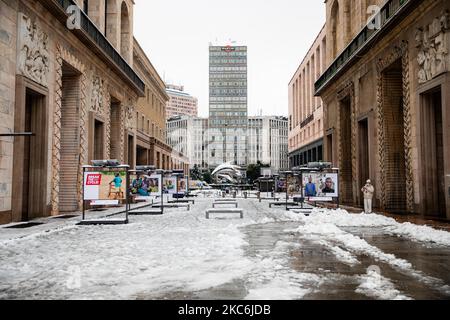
[(183, 186), (105, 185), (317, 185), (170, 185)]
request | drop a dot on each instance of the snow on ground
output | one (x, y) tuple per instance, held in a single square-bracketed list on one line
[(376, 286), (181, 251), (273, 279), (342, 218), (322, 228)]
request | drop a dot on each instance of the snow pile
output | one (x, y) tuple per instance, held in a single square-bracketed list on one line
[(376, 286), (342, 218), (420, 233), (331, 234)]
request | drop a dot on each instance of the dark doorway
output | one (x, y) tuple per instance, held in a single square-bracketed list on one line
[(99, 140), (395, 169), (131, 151), (158, 160), (141, 156), (433, 154), (115, 129), (346, 181), (363, 155), (70, 140), (34, 158), (330, 148)]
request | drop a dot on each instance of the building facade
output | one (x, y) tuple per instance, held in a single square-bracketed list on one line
[(386, 96), (189, 136), (228, 104), (180, 103), (268, 141), (151, 146), (70, 83), (266, 136), (306, 110)]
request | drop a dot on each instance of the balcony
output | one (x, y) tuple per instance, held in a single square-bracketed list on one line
[(97, 42), (391, 13)]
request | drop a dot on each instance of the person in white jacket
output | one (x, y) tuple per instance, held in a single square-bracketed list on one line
[(368, 190)]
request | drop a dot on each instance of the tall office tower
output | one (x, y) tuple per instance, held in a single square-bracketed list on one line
[(228, 112)]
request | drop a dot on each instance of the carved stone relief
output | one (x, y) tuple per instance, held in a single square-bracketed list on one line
[(33, 55), (97, 95), (432, 42)]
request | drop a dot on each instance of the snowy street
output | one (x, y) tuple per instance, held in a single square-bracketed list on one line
[(270, 254)]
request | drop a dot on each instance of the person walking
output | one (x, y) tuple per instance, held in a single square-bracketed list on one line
[(368, 190)]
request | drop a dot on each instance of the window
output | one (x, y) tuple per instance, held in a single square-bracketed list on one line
[(86, 6)]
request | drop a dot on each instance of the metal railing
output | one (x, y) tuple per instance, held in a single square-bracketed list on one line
[(387, 13), (100, 40)]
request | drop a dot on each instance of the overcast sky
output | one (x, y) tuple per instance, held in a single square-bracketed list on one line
[(176, 34)]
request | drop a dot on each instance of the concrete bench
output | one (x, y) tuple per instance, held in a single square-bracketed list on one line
[(209, 211), (224, 200), (264, 198), (298, 210), (225, 203), (281, 204), (182, 201), (143, 212), (173, 205)]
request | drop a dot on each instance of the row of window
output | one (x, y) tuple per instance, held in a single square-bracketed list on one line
[(239, 92), (233, 61), (227, 99), (228, 76), (228, 84), (306, 134), (228, 54), (222, 69), (143, 124), (228, 106), (229, 122), (228, 114)]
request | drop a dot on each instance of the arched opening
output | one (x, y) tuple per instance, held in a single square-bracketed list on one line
[(111, 21), (124, 31), (334, 29), (354, 18)]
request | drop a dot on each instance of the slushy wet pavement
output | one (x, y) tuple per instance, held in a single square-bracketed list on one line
[(270, 254)]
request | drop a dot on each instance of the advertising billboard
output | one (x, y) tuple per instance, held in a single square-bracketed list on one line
[(145, 186), (170, 185), (183, 185), (104, 186), (321, 185)]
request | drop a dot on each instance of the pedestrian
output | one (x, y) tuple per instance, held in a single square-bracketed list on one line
[(368, 190)]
